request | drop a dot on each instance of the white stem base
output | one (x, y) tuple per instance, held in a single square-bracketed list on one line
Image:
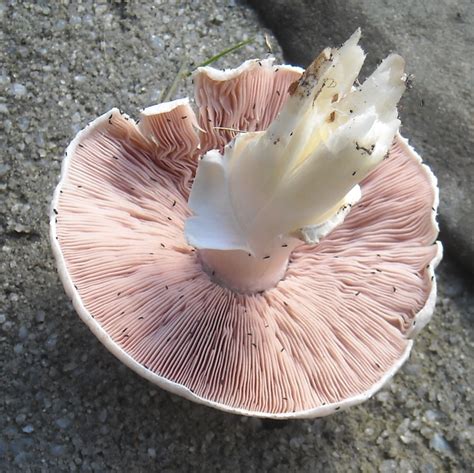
[(242, 272)]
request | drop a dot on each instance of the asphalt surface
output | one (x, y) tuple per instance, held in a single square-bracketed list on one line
[(66, 404)]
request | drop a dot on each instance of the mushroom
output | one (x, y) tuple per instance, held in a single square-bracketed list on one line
[(273, 256)]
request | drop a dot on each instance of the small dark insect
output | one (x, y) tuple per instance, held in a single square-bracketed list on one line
[(55, 211), (266, 257), (354, 173), (366, 150), (284, 245), (409, 81)]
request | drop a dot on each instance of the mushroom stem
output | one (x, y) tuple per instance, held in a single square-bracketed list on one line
[(242, 272), (299, 178)]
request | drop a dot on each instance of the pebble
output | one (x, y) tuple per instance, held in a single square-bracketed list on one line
[(20, 418), (431, 416), (18, 90), (18, 349), (51, 341), (63, 422), (57, 450), (439, 443), (28, 429), (23, 123), (383, 396), (23, 333), (388, 466)]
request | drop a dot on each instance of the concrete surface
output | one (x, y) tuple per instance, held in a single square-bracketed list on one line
[(66, 404), (436, 40)]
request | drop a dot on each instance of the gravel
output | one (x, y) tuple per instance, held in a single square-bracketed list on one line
[(66, 404)]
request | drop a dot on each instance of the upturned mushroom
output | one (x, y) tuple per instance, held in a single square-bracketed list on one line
[(272, 256)]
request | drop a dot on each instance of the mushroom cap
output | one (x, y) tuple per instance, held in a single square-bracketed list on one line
[(327, 336)]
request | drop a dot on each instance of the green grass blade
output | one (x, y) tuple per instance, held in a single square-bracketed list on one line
[(215, 58)]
